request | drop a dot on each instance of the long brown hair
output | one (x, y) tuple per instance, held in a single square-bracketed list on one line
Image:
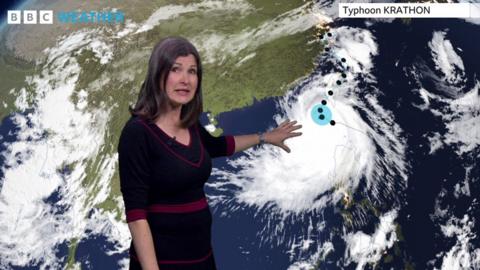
[(153, 100)]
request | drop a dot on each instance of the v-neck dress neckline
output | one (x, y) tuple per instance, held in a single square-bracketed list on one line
[(170, 138), (187, 153)]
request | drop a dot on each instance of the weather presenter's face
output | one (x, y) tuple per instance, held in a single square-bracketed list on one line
[(182, 80)]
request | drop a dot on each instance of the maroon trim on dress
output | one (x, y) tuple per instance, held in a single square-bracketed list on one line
[(173, 152), (170, 138), (204, 258), (136, 214), (230, 145), (179, 208)]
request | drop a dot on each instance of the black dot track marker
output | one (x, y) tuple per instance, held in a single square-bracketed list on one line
[(320, 110), (332, 123), (324, 102), (330, 92), (329, 34), (344, 60), (321, 116), (327, 49), (344, 75), (339, 82)]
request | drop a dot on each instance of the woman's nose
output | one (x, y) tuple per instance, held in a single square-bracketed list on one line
[(184, 77)]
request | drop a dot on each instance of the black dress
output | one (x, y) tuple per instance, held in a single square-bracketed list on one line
[(162, 181)]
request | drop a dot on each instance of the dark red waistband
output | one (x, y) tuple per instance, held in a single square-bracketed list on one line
[(179, 208)]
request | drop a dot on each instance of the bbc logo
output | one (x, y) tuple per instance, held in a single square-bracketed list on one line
[(30, 17)]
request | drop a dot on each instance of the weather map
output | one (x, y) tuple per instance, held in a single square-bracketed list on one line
[(384, 176)]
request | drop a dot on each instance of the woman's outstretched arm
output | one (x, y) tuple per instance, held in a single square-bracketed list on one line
[(275, 137)]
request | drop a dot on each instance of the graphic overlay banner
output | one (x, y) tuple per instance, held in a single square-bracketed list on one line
[(408, 10)]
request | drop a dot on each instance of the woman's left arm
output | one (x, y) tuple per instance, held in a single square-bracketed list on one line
[(276, 137)]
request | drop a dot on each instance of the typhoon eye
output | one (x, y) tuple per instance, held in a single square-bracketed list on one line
[(321, 114)]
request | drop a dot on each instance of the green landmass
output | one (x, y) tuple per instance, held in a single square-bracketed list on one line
[(72, 249), (14, 71)]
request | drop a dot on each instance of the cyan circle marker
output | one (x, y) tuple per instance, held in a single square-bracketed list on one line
[(325, 111)]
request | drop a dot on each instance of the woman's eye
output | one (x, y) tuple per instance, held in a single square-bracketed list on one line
[(193, 71), (175, 69)]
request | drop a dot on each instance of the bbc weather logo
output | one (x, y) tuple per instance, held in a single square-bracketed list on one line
[(72, 17), (30, 17)]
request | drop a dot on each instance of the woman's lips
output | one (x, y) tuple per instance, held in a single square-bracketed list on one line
[(182, 92)]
